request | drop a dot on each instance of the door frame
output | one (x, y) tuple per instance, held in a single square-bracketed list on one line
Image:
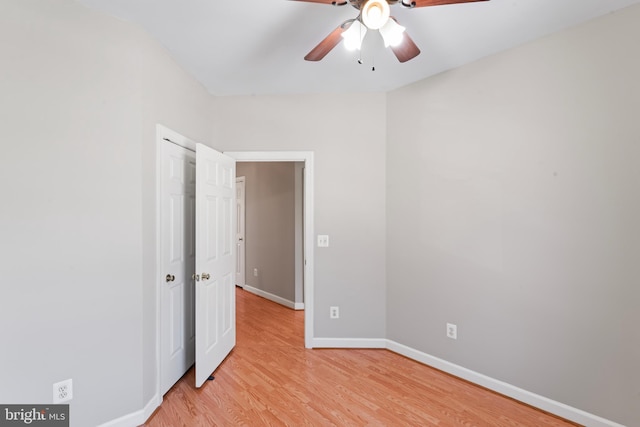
[(243, 258), (308, 226)]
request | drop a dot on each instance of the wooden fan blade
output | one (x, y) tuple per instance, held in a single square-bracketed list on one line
[(325, 46), (406, 50), (332, 2), (425, 3)]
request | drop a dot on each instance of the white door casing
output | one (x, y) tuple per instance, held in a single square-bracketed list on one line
[(177, 249), (215, 260), (240, 231)]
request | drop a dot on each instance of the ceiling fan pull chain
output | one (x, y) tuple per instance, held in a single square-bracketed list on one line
[(360, 50)]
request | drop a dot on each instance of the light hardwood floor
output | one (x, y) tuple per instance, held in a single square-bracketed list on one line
[(271, 379)]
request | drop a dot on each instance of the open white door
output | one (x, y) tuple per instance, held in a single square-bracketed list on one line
[(215, 260)]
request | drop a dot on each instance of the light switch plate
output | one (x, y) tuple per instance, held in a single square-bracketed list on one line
[(323, 241)]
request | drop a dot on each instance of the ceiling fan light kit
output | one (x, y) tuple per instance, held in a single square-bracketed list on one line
[(392, 33), (374, 15), (354, 35)]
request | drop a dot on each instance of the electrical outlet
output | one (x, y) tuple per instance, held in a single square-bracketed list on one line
[(255, 272), (334, 312), (452, 331), (63, 391)]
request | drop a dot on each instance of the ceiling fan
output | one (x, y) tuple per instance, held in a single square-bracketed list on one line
[(374, 15)]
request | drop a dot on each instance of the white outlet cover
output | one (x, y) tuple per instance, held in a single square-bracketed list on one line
[(452, 331), (334, 312), (63, 391)]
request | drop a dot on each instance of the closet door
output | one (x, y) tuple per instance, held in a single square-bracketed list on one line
[(177, 218)]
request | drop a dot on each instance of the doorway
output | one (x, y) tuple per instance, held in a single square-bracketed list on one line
[(306, 159), (274, 242)]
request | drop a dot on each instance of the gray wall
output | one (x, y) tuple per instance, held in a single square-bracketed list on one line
[(350, 178), (270, 226), (81, 94), (513, 207)]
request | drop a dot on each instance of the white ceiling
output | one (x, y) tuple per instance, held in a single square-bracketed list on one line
[(256, 47)]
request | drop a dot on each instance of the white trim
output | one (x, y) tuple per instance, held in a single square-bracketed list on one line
[(560, 409), (270, 296), (161, 132), (270, 156), (298, 210), (243, 180), (379, 343), (298, 306), (136, 418), (151, 406), (307, 158)]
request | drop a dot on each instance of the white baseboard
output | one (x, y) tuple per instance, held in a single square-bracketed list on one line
[(349, 343), (274, 298), (560, 409), (136, 418), (151, 406)]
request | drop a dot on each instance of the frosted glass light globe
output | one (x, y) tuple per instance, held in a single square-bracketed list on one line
[(375, 13)]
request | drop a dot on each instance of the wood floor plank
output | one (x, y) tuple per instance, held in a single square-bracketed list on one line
[(270, 379)]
